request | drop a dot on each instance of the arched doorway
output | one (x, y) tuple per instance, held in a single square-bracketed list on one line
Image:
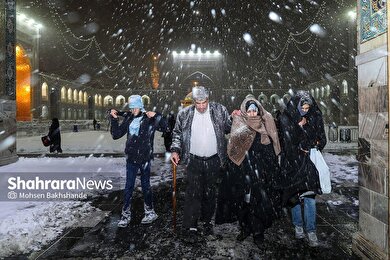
[(23, 87), (91, 108), (196, 78), (54, 103)]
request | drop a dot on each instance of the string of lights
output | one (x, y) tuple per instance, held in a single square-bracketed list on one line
[(65, 42), (309, 50), (105, 62), (318, 15), (292, 38)]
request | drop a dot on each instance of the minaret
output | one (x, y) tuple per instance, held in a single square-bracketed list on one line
[(155, 75)]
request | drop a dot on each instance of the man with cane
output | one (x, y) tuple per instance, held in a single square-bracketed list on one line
[(199, 142)]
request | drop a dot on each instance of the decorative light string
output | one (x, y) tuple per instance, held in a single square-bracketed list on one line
[(105, 62), (115, 67), (292, 38)]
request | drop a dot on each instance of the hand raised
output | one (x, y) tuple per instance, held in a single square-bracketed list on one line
[(236, 112), (150, 114), (114, 113)]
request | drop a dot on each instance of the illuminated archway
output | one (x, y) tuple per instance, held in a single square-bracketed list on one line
[(108, 100), (23, 87), (120, 101), (197, 78)]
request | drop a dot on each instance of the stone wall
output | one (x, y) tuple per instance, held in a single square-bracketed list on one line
[(372, 239), (8, 132), (7, 83)]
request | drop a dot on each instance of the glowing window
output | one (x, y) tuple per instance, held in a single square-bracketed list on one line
[(63, 95), (75, 95), (70, 98), (345, 87), (45, 90)]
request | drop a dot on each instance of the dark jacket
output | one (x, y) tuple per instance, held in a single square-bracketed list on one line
[(182, 131), (139, 149), (169, 131), (55, 135), (299, 172)]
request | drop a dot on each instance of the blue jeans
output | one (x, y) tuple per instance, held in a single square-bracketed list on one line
[(309, 210), (131, 174)]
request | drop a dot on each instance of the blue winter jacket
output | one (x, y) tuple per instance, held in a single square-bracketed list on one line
[(139, 149)]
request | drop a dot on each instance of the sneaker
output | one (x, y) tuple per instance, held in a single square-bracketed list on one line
[(313, 240), (149, 217), (243, 235), (299, 234), (124, 221)]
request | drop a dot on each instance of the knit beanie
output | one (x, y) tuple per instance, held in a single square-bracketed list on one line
[(136, 102)]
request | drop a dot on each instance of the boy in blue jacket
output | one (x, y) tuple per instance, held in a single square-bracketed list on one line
[(140, 127)]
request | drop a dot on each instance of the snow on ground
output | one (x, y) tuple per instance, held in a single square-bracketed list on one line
[(342, 168), (83, 142), (27, 226)]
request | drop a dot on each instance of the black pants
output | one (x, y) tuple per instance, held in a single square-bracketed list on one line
[(200, 197), (250, 223), (55, 147)]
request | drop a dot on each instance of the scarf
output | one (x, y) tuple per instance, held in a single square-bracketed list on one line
[(135, 125), (244, 130)]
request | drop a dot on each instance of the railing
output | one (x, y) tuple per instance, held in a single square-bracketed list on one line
[(342, 134)]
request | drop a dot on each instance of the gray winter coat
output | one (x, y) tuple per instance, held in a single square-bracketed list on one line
[(182, 131)]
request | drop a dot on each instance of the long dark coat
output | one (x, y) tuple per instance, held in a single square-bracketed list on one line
[(298, 171), (55, 136), (259, 173)]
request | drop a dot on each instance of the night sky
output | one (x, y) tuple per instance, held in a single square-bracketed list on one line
[(253, 36)]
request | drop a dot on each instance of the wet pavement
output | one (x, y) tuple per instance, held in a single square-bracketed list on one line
[(100, 238)]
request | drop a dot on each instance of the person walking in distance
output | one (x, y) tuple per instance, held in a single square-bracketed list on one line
[(94, 122), (55, 136)]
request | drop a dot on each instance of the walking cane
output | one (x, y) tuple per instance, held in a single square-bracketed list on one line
[(174, 197)]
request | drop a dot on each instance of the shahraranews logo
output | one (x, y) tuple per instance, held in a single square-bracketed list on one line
[(17, 183)]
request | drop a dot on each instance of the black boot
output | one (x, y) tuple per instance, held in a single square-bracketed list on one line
[(190, 236), (258, 239), (208, 229), (243, 235)]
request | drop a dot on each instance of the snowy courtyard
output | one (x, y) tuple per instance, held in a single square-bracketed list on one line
[(79, 68), (31, 228)]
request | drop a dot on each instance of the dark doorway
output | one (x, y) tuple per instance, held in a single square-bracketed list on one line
[(54, 104), (91, 114)]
